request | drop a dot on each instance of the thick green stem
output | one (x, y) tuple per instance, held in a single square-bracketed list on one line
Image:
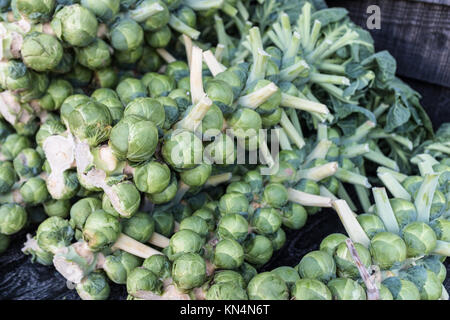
[(201, 5), (290, 131), (181, 27), (394, 186), (195, 116), (343, 194), (293, 71), (322, 132), (380, 110), (351, 177), (284, 140), (384, 210), (400, 177), (442, 248), (324, 192), (303, 104), (328, 78), (292, 113), (381, 159), (319, 152), (255, 99), (305, 24), (292, 50), (331, 67), (307, 199), (258, 68), (355, 150), (424, 197), (315, 34), (317, 173), (363, 196), (143, 11)]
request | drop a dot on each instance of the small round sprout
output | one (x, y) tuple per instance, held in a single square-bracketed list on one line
[(126, 198), (142, 283), (75, 25), (54, 233), (171, 111), (245, 123), (197, 176), (139, 227), (247, 271), (212, 123), (272, 103), (184, 241), (317, 265), (119, 265), (47, 129), (401, 289), (167, 194), (208, 216), (148, 109), (233, 203), (288, 274), (294, 157), (96, 55), (189, 271), (36, 11), (233, 226), (71, 103), (59, 208), (266, 220), (101, 230), (158, 38), (309, 186), (34, 191), (226, 291), (228, 254), (275, 195), (345, 265), (67, 189), (430, 288), (104, 10), (152, 177), (164, 222), (240, 187), (278, 239), (371, 224), (412, 184), (12, 218), (221, 94), (184, 84), (267, 286), (79, 76), (126, 34), (258, 250), (13, 144), (331, 242), (94, 287), (432, 263), (420, 239), (225, 276), (105, 78), (441, 228), (234, 76), (7, 176), (81, 210), (187, 15), (41, 52), (177, 70), (346, 289), (387, 249), (221, 150), (182, 99), (405, 211), (28, 163), (438, 205), (272, 119), (196, 224), (182, 211), (310, 289), (134, 138), (182, 150), (159, 265), (159, 84), (254, 179), (4, 242), (158, 19), (130, 89), (294, 216), (110, 99)]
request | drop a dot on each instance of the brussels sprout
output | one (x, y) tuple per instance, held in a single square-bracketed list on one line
[(225, 276), (152, 177), (104, 10), (247, 271), (142, 282), (317, 265), (171, 111), (154, 19), (331, 242), (164, 222), (441, 228), (96, 55), (101, 230), (430, 288), (310, 289), (294, 216), (275, 195), (75, 24), (208, 216), (228, 254), (90, 122), (81, 210), (401, 289), (28, 163), (419, 238), (126, 34), (187, 15), (196, 224), (346, 289), (405, 211), (159, 265), (221, 93), (412, 184), (59, 208), (267, 286), (438, 205), (4, 242), (134, 138), (139, 227), (125, 198), (167, 194), (233, 203), (37, 11), (34, 191), (7, 176), (345, 265), (432, 263), (268, 107), (181, 211), (47, 129), (71, 103), (119, 265), (79, 76), (272, 119), (158, 38), (130, 89), (197, 176), (311, 187), (387, 249), (12, 218), (184, 241), (182, 150), (106, 78), (258, 250), (288, 274), (226, 291), (266, 220), (221, 150), (181, 98), (236, 77), (93, 287), (54, 233), (212, 123), (245, 123), (177, 70), (371, 224), (189, 271), (278, 239), (66, 188), (158, 84), (13, 144), (148, 109), (36, 57), (233, 226), (254, 179), (240, 187), (65, 64)]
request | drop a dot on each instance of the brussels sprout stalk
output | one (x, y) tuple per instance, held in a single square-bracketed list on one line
[(381, 159), (393, 185), (425, 196), (319, 152), (255, 99), (352, 177), (213, 65), (318, 173), (196, 84), (290, 131), (400, 177), (303, 104), (166, 55), (307, 199), (355, 150), (142, 13), (442, 248), (360, 133), (181, 27), (195, 116)]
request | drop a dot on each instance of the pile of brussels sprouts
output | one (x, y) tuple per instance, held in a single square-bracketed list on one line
[(122, 127)]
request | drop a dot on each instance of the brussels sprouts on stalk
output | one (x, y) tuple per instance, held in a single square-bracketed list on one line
[(184, 241), (189, 271), (405, 211), (104, 10), (54, 233), (142, 283), (181, 97), (317, 265), (96, 55), (345, 265), (245, 124), (41, 52), (294, 216), (28, 163), (267, 286), (240, 187), (288, 274), (7, 176), (371, 224), (101, 230), (387, 249), (94, 287), (34, 191), (226, 291), (110, 99), (441, 228), (228, 254), (311, 187), (419, 238), (221, 93), (148, 109), (159, 265), (59, 208), (38, 255), (66, 188), (125, 198), (139, 227), (171, 111), (197, 176), (208, 216), (346, 289), (177, 70), (310, 289), (56, 93), (152, 177), (432, 263), (247, 271), (232, 226), (221, 150), (331, 242), (12, 218), (119, 265), (158, 84), (258, 250)]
